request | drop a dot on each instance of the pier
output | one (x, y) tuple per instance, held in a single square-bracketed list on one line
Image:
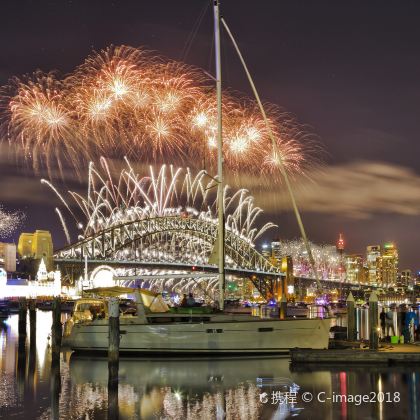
[(387, 354)]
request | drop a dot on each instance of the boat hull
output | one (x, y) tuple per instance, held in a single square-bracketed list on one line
[(234, 337)]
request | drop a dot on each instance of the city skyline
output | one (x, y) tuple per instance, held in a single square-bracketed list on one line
[(369, 186)]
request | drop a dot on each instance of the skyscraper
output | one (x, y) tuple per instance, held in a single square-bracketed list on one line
[(389, 266), (276, 250), (373, 263), (354, 268), (405, 279)]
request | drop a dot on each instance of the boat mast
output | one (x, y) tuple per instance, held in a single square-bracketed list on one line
[(220, 203)]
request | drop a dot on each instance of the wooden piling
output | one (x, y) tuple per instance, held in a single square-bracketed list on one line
[(283, 307), (56, 329), (351, 318), (114, 330), (113, 357), (32, 320), (55, 388), (373, 322), (22, 317)]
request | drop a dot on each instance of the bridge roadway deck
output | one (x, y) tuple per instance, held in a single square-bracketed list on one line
[(167, 265), (199, 271)]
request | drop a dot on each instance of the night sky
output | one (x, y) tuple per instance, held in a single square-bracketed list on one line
[(347, 70)]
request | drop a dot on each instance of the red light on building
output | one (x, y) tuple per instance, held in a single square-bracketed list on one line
[(340, 243)]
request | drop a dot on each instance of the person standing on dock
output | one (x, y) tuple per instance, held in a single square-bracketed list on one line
[(389, 322), (411, 324), (382, 317)]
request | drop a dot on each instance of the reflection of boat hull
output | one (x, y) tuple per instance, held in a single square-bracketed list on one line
[(199, 373), (222, 335)]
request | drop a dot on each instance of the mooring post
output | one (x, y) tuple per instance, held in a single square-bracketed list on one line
[(283, 306), (114, 330), (32, 320), (351, 318), (113, 357), (373, 322), (21, 361), (22, 318), (56, 332)]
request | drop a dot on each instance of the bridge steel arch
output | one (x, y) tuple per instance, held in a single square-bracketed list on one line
[(102, 245)]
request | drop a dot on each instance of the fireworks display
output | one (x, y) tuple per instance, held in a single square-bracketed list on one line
[(9, 222), (125, 101), (169, 192), (327, 259)]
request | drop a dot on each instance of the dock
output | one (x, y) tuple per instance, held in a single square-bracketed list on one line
[(387, 354)]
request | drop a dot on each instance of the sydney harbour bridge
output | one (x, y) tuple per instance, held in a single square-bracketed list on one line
[(171, 250), (160, 231)]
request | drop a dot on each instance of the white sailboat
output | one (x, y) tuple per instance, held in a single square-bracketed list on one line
[(157, 332)]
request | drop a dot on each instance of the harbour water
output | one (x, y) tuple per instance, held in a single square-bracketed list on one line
[(198, 388)]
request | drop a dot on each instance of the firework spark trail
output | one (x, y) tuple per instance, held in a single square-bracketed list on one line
[(9, 222), (327, 259), (125, 101), (170, 191), (63, 224)]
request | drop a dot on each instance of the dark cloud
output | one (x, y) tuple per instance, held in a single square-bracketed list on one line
[(355, 190)]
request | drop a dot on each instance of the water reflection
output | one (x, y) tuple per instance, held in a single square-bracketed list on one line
[(33, 387)]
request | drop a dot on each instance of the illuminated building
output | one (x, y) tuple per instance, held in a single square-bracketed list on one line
[(405, 279), (272, 251), (354, 268), (8, 257), (276, 250), (37, 245), (389, 265), (266, 250), (373, 263), (42, 273), (416, 280), (46, 284)]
